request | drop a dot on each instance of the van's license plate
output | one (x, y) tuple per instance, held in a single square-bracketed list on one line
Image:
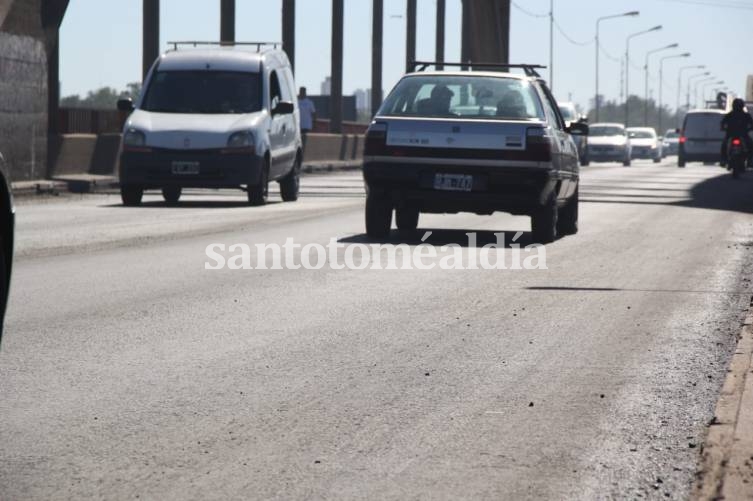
[(453, 182), (185, 168)]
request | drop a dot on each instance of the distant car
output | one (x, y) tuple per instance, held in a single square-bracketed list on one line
[(671, 144), (472, 141), (570, 115), (608, 142), (645, 144), (7, 226), (701, 137), (219, 117)]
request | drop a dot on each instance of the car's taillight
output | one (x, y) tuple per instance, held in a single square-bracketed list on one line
[(376, 139), (539, 144), (683, 139), (736, 142)]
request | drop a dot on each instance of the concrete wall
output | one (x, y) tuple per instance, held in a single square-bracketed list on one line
[(98, 154), (23, 91), (28, 46)]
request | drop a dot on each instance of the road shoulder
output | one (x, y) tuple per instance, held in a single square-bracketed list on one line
[(727, 459)]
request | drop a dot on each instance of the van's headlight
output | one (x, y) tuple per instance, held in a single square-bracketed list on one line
[(134, 137), (242, 139)]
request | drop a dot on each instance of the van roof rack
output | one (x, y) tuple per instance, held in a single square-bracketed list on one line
[(530, 69), (199, 43)]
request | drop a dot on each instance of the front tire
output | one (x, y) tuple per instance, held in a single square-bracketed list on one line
[(544, 222), (627, 162), (567, 220), (171, 194), (131, 195), (290, 185), (259, 193), (378, 217)]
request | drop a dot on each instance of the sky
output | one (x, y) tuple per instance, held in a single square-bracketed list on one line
[(100, 40)]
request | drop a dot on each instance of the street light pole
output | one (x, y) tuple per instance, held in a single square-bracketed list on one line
[(551, 45), (627, 70), (690, 79), (679, 83), (705, 82), (661, 84), (598, 48), (645, 69)]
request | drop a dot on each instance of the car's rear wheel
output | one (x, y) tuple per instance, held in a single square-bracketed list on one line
[(171, 194), (290, 184), (657, 160), (627, 162), (378, 217), (259, 193), (681, 161), (406, 218), (131, 195), (567, 218), (544, 222), (585, 162)]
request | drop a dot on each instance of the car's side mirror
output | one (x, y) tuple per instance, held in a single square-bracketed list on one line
[(283, 108), (577, 129), (125, 105)]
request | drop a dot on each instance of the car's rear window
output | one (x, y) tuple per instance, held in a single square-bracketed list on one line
[(605, 130), (472, 97), (210, 92), (672, 135), (641, 134), (568, 114), (704, 125)]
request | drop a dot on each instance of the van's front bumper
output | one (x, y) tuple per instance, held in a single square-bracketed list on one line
[(217, 168)]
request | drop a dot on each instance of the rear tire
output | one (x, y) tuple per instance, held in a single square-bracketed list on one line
[(406, 218), (627, 162), (585, 162), (131, 195), (290, 185), (657, 160), (681, 161), (567, 220), (544, 222), (738, 167), (258, 194), (378, 217), (171, 195)]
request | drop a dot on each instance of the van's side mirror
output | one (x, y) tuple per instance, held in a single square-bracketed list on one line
[(125, 105), (283, 108)]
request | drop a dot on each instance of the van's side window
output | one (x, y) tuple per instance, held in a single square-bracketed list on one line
[(275, 94)]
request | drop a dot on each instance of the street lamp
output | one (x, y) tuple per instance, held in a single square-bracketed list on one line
[(645, 69), (661, 84), (627, 69), (698, 84), (598, 48), (690, 79), (679, 82)]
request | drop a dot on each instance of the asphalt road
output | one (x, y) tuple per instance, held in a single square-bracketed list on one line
[(129, 371)]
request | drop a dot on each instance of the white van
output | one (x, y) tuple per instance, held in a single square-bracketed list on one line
[(213, 117), (701, 137)]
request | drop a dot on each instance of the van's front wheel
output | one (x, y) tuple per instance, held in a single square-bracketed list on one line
[(259, 193)]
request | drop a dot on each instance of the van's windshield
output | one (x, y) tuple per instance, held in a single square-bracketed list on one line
[(207, 92)]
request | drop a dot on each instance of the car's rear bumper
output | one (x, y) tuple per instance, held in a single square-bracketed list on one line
[(645, 154), (518, 190), (217, 169)]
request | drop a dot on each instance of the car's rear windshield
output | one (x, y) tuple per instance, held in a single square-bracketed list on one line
[(605, 130), (207, 92), (476, 97), (672, 135), (568, 114), (704, 125), (641, 134)]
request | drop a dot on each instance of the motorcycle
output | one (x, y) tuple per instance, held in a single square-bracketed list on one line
[(737, 155)]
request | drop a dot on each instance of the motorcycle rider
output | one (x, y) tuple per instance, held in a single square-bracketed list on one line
[(737, 123)]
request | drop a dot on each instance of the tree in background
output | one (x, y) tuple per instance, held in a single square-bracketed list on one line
[(104, 98)]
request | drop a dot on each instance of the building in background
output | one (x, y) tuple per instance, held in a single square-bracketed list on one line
[(326, 87)]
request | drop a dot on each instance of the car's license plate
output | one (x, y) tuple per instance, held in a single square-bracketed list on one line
[(453, 182), (185, 168)]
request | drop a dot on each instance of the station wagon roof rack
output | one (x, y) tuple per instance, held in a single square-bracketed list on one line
[(198, 43), (530, 69)]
